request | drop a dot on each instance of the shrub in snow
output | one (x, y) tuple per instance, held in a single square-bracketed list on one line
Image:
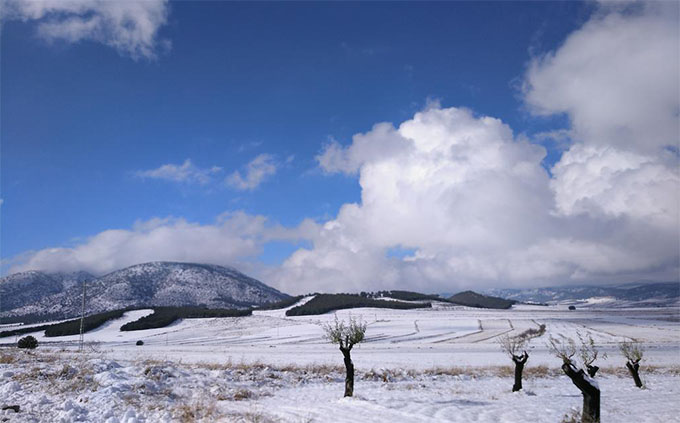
[(633, 352), (346, 336), (28, 342), (140, 343)]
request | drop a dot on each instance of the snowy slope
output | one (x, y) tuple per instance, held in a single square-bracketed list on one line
[(441, 364), (29, 290), (421, 339), (172, 284)]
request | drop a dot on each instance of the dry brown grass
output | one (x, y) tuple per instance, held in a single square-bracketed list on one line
[(243, 394), (272, 370), (622, 371), (250, 417), (75, 379), (62, 379), (446, 371), (574, 416), (157, 373), (147, 362), (190, 412), (671, 370), (7, 357), (542, 371), (388, 375), (501, 371)]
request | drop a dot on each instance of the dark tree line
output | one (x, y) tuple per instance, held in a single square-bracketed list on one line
[(281, 304), (69, 327), (165, 316), (324, 303)]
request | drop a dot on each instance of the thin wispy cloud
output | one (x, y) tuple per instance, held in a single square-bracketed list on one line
[(187, 172), (255, 173), (249, 146), (130, 27)]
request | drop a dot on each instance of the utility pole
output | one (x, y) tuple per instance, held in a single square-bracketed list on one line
[(82, 318)]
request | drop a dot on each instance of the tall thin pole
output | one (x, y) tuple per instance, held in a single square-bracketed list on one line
[(82, 318)]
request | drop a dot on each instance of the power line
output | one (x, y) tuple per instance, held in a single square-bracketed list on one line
[(82, 318)]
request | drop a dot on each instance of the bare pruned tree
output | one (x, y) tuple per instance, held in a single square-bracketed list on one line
[(346, 336), (566, 349), (588, 353), (633, 351), (512, 345)]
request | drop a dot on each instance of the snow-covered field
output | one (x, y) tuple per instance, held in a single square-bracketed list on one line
[(440, 364)]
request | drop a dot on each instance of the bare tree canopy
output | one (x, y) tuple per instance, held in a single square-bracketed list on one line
[(588, 351), (562, 348), (632, 350), (512, 345), (345, 334)]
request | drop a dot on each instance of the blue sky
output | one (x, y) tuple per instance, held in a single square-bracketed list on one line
[(221, 84)]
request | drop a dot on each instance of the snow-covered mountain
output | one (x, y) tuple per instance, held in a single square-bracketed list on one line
[(29, 289), (630, 294), (148, 284)]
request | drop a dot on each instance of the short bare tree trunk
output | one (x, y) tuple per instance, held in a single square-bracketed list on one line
[(519, 360), (634, 368), (349, 376), (590, 392)]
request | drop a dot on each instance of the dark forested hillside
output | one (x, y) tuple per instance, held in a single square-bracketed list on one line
[(323, 303)]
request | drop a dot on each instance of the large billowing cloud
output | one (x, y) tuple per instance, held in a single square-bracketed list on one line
[(130, 27), (616, 79), (608, 182), (473, 207)]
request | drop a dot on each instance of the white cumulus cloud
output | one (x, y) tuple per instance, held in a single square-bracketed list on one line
[(380, 143), (130, 27), (604, 180), (473, 206), (256, 172), (616, 78)]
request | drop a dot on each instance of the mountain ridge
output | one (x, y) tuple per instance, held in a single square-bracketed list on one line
[(629, 294), (159, 283)]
